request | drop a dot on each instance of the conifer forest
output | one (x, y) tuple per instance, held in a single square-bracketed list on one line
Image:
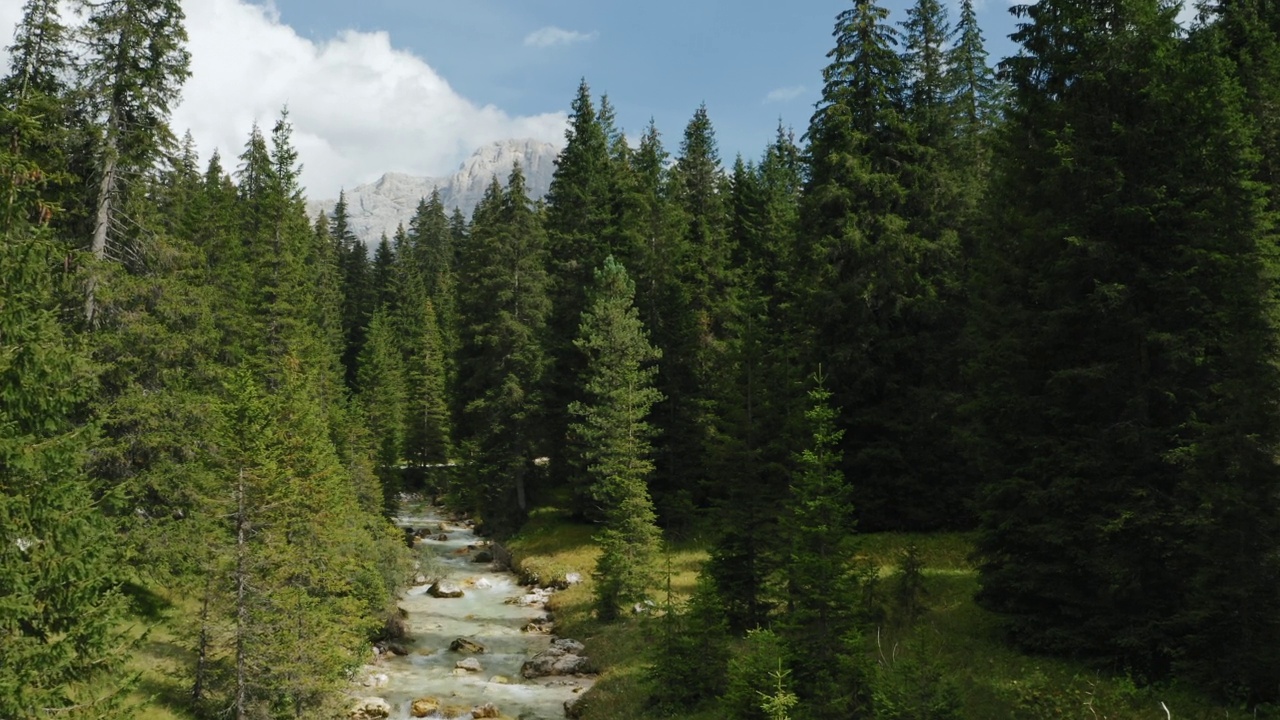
[(1028, 310)]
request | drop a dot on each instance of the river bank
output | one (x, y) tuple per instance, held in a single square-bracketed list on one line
[(488, 652)]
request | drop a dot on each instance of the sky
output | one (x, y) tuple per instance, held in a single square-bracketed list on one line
[(415, 86)]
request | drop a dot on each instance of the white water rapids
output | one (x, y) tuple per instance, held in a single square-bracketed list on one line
[(484, 615)]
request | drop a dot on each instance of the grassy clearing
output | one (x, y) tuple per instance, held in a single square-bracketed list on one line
[(965, 642), (160, 662)]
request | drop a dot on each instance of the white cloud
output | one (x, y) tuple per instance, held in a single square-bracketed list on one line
[(549, 36), (784, 94), (10, 14), (359, 107)]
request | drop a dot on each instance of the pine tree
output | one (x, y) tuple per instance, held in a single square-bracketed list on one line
[(757, 385), (577, 219), (383, 393), (691, 287), (60, 603), (1126, 336), (134, 71), (501, 361), (36, 87), (883, 268), (380, 272), (615, 437), (1249, 35), (822, 586), (974, 95), (357, 305)]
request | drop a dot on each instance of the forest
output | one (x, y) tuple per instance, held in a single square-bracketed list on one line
[(1032, 304)]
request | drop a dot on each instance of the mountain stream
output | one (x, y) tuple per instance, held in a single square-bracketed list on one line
[(494, 611)]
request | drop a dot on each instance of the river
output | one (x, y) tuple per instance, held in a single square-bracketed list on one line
[(484, 614)]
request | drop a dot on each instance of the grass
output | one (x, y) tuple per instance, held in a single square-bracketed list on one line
[(993, 680), (159, 661)]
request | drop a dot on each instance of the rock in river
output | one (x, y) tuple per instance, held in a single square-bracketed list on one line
[(371, 708), (464, 645), (423, 707), (561, 658), (444, 589)]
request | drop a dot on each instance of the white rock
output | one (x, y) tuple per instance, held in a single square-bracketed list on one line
[(379, 207)]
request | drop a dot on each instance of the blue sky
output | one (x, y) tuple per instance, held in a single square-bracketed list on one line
[(415, 86), (659, 58)]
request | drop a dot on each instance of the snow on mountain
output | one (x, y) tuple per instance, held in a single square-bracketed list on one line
[(379, 207)]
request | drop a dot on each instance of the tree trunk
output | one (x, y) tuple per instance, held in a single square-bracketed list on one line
[(102, 224), (242, 610)]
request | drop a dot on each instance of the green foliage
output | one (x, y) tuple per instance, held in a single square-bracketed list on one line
[(821, 625), (60, 560), (753, 667), (501, 360), (689, 663), (778, 704), (613, 437), (882, 270), (383, 394), (909, 591), (914, 689), (1125, 214)]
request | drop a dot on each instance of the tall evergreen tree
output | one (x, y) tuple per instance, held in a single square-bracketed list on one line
[(822, 616), (578, 215), (882, 267), (974, 96), (353, 260), (135, 67), (1127, 337), (383, 393), (614, 437), (61, 649), (504, 308), (757, 387)]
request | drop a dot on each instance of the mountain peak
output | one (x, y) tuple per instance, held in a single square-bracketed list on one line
[(381, 206)]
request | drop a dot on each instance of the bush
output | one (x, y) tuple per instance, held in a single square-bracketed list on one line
[(753, 671)]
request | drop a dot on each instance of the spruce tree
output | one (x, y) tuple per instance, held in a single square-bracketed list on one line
[(501, 361), (615, 438), (883, 267), (353, 263), (823, 589), (577, 218), (135, 66), (382, 389), (61, 649), (1126, 335)]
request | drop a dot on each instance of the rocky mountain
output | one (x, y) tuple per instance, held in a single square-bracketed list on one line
[(379, 207)]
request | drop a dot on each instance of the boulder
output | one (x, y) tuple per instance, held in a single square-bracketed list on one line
[(377, 680), (423, 707), (573, 578), (463, 645), (469, 664), (484, 556), (541, 627), (500, 680), (573, 707), (395, 648), (442, 537), (561, 658), (444, 589), (567, 645), (370, 708), (483, 583), (487, 710)]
